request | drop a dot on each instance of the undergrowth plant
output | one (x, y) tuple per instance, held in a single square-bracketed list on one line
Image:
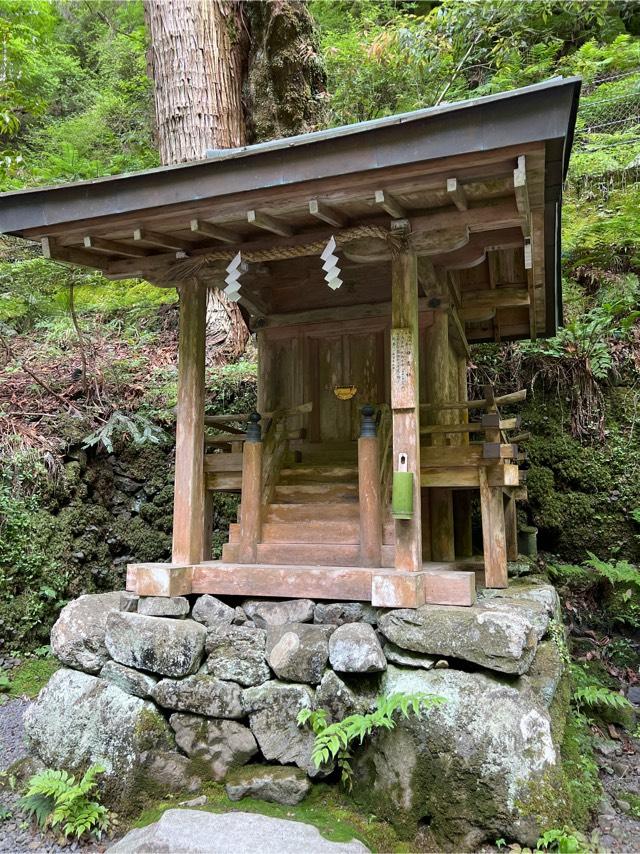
[(599, 696), (333, 740), (54, 798)]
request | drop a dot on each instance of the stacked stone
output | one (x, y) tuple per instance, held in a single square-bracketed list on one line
[(176, 691)]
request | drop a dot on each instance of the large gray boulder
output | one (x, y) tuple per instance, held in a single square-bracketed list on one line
[(201, 694), (482, 765), (169, 647), (338, 613), (78, 720), (336, 698), (237, 653), (184, 831), (355, 648), (77, 637), (217, 745), (500, 634), (163, 606), (273, 710), (274, 613), (212, 612), (167, 771), (298, 652), (129, 680), (278, 784)]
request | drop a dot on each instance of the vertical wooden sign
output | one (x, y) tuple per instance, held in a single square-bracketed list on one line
[(403, 369)]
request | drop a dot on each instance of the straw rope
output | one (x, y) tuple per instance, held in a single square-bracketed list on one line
[(191, 267)]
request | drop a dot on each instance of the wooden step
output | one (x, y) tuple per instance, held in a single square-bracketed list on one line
[(319, 474), (311, 511), (308, 554), (328, 531), (326, 554), (346, 533), (299, 493)]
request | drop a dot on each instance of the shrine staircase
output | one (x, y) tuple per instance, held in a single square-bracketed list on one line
[(314, 517)]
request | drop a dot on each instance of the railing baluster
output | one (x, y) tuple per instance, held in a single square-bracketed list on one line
[(369, 491)]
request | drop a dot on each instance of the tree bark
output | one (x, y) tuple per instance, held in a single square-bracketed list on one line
[(285, 91), (197, 61), (206, 69)]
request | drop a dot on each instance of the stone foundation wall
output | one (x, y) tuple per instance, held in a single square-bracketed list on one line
[(167, 693)]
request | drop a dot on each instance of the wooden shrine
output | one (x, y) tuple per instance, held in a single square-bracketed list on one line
[(366, 259)]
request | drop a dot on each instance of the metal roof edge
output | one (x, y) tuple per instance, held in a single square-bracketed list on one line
[(223, 155)]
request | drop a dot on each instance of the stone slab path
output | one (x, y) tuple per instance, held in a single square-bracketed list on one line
[(193, 832)]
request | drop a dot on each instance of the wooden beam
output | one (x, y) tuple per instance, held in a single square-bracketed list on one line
[(323, 211), (457, 194), (405, 399), (459, 339), (390, 204), (496, 298), (251, 519), (493, 532), (269, 223), (167, 241), (511, 524), (71, 255), (101, 244), (501, 400), (436, 365), (188, 503), (522, 194), (217, 232)]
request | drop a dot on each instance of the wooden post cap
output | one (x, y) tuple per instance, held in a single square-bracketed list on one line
[(254, 431), (367, 423)]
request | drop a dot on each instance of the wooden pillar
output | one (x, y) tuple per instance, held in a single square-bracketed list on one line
[(436, 364), (511, 525), (188, 502), (462, 497), (207, 545), (251, 518), (369, 491), (493, 532), (405, 398), (426, 523)]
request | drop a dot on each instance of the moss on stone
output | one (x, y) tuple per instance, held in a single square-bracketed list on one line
[(325, 807), (150, 729), (28, 678)]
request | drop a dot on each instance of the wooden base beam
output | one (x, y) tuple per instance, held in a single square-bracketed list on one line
[(436, 583)]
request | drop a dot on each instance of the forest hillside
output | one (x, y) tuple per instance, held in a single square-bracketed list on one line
[(88, 366)]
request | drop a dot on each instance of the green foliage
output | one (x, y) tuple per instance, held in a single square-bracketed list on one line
[(135, 426), (594, 695), (54, 798), (565, 841), (581, 770), (75, 97), (333, 740), (29, 677)]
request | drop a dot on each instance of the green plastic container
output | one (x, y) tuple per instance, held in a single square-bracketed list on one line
[(402, 495)]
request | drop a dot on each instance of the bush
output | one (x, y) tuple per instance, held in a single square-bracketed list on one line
[(53, 798)]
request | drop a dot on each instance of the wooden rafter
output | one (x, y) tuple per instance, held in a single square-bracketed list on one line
[(70, 255), (457, 194), (102, 244), (217, 232), (166, 241), (269, 223), (326, 213), (390, 204)]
